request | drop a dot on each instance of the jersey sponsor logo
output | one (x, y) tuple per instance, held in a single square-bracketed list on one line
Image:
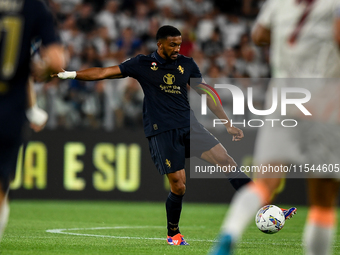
[(154, 66), (180, 69), (168, 163), (169, 79)]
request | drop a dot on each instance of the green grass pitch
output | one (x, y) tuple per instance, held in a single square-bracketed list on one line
[(95, 227)]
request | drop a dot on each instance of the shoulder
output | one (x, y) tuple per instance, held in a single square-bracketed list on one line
[(32, 7), (185, 60), (40, 4), (140, 57)]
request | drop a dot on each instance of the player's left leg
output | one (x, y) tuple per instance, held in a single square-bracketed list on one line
[(177, 182), (321, 222), (218, 155)]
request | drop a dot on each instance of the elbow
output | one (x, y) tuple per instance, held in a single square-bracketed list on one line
[(260, 35), (55, 57), (255, 39)]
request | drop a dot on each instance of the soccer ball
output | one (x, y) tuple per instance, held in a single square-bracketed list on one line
[(270, 219)]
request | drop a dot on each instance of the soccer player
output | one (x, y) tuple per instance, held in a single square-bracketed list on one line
[(21, 21), (169, 123), (305, 39)]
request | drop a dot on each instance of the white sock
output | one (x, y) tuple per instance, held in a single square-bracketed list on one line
[(4, 213), (242, 210), (317, 239)]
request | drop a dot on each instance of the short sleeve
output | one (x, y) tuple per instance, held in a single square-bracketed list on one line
[(195, 74), (128, 67), (265, 17), (45, 25)]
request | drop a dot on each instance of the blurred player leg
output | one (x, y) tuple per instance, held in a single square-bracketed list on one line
[(243, 207), (321, 222), (8, 157), (4, 211)]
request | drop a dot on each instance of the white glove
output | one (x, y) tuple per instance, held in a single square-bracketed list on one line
[(67, 75), (36, 116)]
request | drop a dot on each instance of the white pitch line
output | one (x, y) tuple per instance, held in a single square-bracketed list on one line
[(62, 231)]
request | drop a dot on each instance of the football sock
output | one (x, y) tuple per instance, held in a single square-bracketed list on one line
[(243, 208), (4, 213), (173, 213), (238, 179), (319, 230)]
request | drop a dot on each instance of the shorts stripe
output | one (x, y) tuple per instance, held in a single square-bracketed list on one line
[(158, 154)]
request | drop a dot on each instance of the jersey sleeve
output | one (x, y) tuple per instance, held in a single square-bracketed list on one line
[(130, 67), (45, 25), (265, 17), (195, 75)]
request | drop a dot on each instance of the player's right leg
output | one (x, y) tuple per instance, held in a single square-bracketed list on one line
[(321, 222), (242, 210), (168, 153)]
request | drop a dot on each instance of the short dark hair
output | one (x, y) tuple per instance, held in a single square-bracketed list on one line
[(166, 31)]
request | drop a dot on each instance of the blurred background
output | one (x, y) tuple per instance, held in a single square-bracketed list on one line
[(99, 33), (93, 146)]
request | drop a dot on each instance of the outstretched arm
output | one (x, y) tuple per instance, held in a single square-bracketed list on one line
[(92, 74), (218, 110)]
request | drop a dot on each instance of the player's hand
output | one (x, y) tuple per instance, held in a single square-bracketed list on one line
[(37, 128), (65, 75), (37, 118), (236, 133)]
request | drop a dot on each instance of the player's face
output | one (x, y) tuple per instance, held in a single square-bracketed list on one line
[(170, 47)]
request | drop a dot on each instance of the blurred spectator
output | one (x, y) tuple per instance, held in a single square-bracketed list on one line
[(227, 62), (108, 18), (213, 47), (249, 66), (168, 17), (73, 39), (205, 28), (85, 18), (67, 6), (188, 44), (149, 38), (199, 8), (141, 20), (131, 105), (201, 61), (128, 43), (232, 31)]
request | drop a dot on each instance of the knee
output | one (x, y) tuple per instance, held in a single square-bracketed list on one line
[(225, 160), (178, 188), (272, 184)]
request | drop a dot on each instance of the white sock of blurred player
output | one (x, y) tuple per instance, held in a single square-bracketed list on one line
[(243, 208), (319, 231), (4, 213)]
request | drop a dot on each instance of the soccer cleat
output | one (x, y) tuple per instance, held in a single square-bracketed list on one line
[(176, 240), (289, 212), (223, 247)]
